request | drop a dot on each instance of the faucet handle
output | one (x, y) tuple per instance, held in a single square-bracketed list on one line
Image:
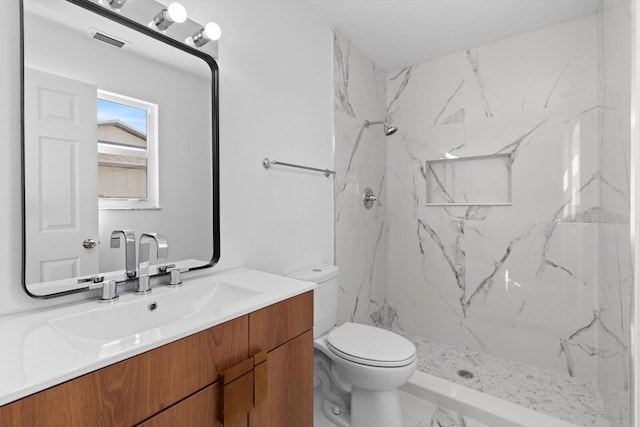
[(175, 279), (109, 292), (163, 269)]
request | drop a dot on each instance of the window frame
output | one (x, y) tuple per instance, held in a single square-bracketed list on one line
[(153, 180)]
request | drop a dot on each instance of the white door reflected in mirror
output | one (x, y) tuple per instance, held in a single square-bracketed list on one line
[(61, 194)]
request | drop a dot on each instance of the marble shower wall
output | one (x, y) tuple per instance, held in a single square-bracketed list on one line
[(615, 264), (523, 281), (360, 161), (546, 280)]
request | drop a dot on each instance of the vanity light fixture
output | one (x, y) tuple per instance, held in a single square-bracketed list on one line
[(209, 32), (116, 4), (174, 13)]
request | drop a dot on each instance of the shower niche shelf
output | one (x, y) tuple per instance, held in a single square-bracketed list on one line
[(469, 181)]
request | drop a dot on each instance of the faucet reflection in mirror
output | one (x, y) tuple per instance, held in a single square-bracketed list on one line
[(143, 285), (129, 249)]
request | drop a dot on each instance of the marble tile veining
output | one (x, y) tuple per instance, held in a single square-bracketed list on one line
[(473, 58), (361, 234)]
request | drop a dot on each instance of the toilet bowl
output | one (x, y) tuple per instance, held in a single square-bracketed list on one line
[(367, 363), (370, 363)]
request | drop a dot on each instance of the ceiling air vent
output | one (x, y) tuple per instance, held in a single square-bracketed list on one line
[(107, 39)]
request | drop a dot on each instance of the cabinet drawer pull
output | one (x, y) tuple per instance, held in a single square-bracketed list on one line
[(260, 380), (237, 399), (244, 385), (237, 392), (236, 371)]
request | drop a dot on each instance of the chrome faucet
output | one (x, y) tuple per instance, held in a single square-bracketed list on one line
[(129, 249), (143, 285)]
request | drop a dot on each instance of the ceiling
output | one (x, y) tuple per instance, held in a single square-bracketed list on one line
[(396, 33)]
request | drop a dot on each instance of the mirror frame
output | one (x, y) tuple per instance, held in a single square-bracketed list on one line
[(215, 130)]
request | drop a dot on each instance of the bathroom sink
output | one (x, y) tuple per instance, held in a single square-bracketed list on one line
[(46, 347), (164, 307)]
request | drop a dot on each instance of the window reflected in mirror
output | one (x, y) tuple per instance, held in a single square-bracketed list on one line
[(127, 152)]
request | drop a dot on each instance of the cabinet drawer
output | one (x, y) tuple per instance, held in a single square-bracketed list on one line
[(276, 324), (131, 391), (198, 410)]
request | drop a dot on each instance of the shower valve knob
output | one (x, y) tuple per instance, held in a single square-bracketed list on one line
[(368, 198)]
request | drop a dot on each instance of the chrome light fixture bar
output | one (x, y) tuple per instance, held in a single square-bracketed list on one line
[(162, 19)]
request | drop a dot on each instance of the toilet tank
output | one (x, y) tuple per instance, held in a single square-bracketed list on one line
[(325, 297)]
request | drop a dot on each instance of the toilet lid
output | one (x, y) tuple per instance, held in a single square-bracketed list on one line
[(371, 346)]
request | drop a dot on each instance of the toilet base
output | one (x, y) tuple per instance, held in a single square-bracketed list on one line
[(337, 415), (375, 408)]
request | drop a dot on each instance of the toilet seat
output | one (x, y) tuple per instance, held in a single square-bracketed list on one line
[(371, 346)]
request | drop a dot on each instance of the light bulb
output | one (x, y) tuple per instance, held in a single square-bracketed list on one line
[(177, 13), (211, 31)]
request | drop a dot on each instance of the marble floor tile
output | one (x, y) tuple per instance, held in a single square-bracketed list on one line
[(570, 399)]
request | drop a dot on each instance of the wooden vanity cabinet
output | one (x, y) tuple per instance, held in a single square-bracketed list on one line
[(290, 362), (198, 410), (178, 384)]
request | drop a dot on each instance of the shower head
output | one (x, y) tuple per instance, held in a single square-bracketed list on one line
[(388, 130)]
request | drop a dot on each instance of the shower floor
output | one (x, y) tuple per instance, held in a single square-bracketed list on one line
[(570, 399)]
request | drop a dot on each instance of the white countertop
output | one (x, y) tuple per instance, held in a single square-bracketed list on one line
[(37, 350)]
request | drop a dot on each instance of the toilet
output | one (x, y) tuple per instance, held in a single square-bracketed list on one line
[(358, 367)]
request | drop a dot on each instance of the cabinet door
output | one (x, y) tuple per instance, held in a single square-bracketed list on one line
[(198, 410), (290, 386), (276, 324)]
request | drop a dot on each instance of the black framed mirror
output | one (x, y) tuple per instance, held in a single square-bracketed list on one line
[(119, 132)]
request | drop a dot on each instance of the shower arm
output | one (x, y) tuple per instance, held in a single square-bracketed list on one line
[(367, 123)]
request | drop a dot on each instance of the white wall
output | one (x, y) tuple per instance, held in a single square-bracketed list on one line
[(276, 101)]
